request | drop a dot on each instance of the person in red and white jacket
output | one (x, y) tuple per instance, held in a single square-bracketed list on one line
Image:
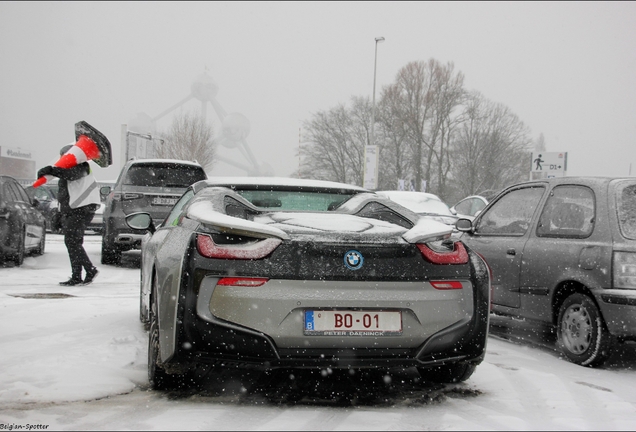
[(78, 197)]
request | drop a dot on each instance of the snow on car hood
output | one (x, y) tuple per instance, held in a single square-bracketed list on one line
[(305, 223)]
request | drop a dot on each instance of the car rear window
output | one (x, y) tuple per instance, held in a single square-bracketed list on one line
[(626, 208), (164, 175), (295, 200)]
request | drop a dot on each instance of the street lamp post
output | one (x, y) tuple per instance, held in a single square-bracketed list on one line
[(375, 66), (371, 154)]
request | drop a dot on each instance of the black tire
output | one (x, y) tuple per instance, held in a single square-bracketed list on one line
[(18, 257), (159, 379), (40, 249), (581, 331), (110, 255), (142, 311), (447, 374), (56, 223)]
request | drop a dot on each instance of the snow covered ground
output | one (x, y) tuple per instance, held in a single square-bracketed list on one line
[(74, 358)]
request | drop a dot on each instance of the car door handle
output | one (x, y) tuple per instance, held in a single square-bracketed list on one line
[(511, 252)]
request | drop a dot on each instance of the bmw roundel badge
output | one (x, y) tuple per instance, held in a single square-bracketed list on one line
[(353, 260)]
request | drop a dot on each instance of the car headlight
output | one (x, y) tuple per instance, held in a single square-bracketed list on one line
[(624, 264)]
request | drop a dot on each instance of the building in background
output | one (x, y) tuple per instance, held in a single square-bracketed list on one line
[(17, 163)]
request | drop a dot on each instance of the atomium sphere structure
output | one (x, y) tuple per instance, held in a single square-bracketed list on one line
[(236, 127), (204, 88)]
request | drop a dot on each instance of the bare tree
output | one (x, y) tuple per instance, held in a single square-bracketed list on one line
[(392, 136), (428, 128), (335, 140), (448, 95), (539, 144), (424, 97), (414, 83), (491, 149), (189, 138)]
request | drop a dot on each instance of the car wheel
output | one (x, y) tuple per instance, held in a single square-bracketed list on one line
[(582, 334), (40, 249), (446, 374), (143, 312), (56, 223), (110, 255), (18, 257), (159, 379)]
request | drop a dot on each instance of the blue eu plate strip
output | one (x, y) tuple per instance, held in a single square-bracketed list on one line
[(309, 320)]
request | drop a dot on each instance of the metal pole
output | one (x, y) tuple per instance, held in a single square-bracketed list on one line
[(375, 66)]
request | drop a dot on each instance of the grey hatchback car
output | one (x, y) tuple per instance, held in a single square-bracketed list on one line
[(563, 251), (149, 185)]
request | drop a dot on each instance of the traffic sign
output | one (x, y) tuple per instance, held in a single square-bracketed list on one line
[(551, 164)]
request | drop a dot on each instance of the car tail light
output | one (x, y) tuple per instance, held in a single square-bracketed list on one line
[(446, 285), (624, 270), (457, 256), (246, 251), (242, 281)]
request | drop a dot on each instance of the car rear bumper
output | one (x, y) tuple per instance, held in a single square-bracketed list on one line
[(230, 346), (619, 310), (438, 326), (277, 309)]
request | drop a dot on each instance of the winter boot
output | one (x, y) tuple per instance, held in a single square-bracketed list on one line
[(90, 275)]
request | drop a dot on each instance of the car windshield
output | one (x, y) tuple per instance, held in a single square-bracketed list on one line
[(304, 200), (163, 175), (626, 203)]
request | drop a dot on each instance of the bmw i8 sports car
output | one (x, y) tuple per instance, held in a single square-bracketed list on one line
[(286, 273)]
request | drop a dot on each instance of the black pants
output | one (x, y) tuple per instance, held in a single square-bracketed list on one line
[(75, 223)]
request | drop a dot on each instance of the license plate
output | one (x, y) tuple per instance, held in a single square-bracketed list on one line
[(352, 323), (164, 201)]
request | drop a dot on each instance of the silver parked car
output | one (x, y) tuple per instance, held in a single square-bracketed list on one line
[(563, 251), (470, 206), (286, 273)]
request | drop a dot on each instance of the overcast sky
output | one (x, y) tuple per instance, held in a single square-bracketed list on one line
[(568, 70)]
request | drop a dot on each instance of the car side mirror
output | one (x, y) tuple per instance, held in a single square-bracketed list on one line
[(140, 221), (35, 202), (464, 225), (453, 211)]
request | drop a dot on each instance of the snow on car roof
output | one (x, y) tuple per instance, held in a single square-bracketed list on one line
[(177, 161), (282, 181), (419, 202)]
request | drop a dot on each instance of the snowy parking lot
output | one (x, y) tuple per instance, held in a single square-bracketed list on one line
[(74, 358)]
